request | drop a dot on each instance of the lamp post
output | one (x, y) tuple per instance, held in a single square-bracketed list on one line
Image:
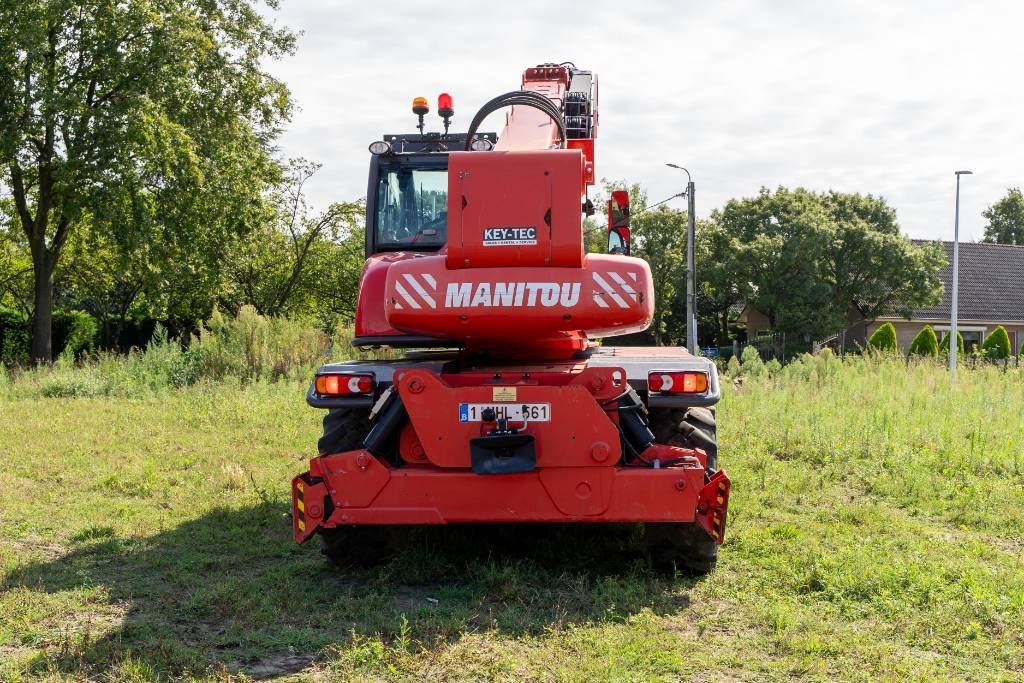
[(953, 333), (691, 263)]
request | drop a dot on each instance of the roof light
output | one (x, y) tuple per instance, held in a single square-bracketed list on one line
[(481, 145), (678, 382), (343, 384), (445, 106), (420, 106), (379, 147)]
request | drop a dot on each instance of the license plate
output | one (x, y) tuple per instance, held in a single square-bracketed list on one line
[(513, 412)]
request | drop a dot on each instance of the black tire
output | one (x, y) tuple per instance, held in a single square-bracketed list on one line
[(344, 430), (684, 546), (358, 546)]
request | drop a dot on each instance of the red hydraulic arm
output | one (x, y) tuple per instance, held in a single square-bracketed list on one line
[(574, 93)]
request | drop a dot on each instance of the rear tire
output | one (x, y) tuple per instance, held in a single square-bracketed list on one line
[(684, 546), (344, 430)]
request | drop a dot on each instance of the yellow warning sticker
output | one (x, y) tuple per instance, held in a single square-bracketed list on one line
[(503, 394)]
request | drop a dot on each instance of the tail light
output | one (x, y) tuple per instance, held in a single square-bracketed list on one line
[(678, 382), (343, 385)]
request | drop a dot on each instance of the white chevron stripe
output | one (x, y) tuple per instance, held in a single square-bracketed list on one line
[(623, 283), (430, 281), (599, 300), (633, 275), (609, 291), (419, 290), (405, 296)]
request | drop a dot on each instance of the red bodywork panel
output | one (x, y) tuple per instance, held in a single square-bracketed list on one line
[(371, 320), (543, 312), (578, 477), (536, 192)]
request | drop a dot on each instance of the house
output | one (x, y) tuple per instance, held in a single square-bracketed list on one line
[(991, 293)]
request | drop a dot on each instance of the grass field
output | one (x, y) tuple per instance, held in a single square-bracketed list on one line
[(876, 533)]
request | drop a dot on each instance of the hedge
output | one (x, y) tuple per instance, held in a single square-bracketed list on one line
[(73, 331), (884, 339), (997, 344), (925, 343)]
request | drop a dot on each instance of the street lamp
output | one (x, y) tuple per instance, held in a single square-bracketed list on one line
[(691, 263), (953, 343)]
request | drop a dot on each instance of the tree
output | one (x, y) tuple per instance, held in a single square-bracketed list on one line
[(298, 263), (925, 343), (137, 115), (1006, 219), (997, 344), (810, 261), (884, 339)]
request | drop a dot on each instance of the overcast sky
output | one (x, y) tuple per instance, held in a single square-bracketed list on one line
[(887, 98)]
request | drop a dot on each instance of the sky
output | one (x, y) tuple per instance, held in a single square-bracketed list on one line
[(887, 98)]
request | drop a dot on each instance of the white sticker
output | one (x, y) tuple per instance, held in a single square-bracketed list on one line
[(523, 236)]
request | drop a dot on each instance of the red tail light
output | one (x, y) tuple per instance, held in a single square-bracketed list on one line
[(678, 382), (344, 385)]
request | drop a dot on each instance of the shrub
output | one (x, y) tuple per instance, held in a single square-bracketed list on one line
[(925, 343), (997, 344), (732, 368), (944, 345), (74, 333), (750, 362), (773, 367), (884, 339), (15, 337)]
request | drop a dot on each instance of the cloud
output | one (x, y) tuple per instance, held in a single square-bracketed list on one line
[(855, 96)]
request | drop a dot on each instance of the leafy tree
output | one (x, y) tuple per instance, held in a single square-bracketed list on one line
[(944, 344), (884, 339), (718, 291), (139, 115), (295, 262), (997, 344), (925, 343), (1006, 219), (809, 261)]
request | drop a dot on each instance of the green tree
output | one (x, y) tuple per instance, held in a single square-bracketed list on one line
[(1006, 219), (925, 343), (944, 344), (884, 339), (811, 261), (997, 344), (139, 115), (296, 262)]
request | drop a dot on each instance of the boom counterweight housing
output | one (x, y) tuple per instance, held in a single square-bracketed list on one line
[(503, 408)]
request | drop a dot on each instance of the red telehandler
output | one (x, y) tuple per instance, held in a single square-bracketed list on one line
[(504, 410)]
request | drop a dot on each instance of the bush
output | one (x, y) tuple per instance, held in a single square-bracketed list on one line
[(732, 368), (750, 362), (251, 346), (74, 333), (997, 344), (925, 343), (15, 337), (884, 339), (944, 345)]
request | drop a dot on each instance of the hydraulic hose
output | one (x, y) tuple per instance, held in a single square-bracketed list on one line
[(526, 98)]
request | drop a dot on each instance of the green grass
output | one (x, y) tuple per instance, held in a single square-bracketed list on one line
[(876, 533)]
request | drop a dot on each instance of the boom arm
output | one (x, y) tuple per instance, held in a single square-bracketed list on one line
[(574, 95)]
